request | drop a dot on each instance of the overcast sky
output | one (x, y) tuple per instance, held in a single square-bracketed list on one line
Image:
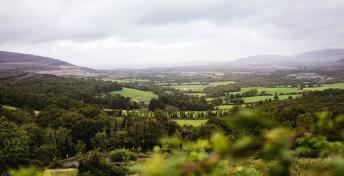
[(112, 33)]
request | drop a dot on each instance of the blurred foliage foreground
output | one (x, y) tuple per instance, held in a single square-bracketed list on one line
[(253, 139)]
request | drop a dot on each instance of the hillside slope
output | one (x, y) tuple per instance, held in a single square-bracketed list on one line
[(324, 57), (10, 61)]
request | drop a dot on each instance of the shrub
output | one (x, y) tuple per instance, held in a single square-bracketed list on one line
[(122, 155), (95, 164)]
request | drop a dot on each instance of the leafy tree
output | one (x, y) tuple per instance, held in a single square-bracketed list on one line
[(156, 104), (95, 164), (276, 97), (100, 141), (61, 139), (13, 145), (122, 155)]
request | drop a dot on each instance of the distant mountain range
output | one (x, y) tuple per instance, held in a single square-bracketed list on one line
[(333, 58), (10, 61), (324, 57)]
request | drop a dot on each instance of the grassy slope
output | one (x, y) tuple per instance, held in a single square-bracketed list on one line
[(225, 106), (196, 86), (136, 94), (183, 122), (273, 90), (263, 98), (326, 86), (126, 80)]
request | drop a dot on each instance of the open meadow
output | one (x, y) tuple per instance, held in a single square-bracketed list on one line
[(293, 90), (326, 86), (136, 94), (196, 123), (263, 98), (198, 86), (225, 107), (133, 80)]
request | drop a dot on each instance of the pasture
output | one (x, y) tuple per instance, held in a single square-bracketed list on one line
[(198, 86), (326, 86), (183, 122), (292, 90), (263, 98), (133, 80), (135, 94), (225, 107), (273, 90)]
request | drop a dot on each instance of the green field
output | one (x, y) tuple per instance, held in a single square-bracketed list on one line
[(225, 107), (273, 90), (136, 94), (326, 86), (288, 90), (183, 122), (196, 94), (126, 80), (263, 98), (197, 86)]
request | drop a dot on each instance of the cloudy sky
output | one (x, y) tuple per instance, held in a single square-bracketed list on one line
[(112, 33)]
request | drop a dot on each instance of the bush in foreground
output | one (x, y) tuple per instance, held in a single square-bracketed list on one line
[(95, 164), (122, 155)]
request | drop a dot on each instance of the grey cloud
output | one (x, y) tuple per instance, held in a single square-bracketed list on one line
[(219, 27), (52, 20)]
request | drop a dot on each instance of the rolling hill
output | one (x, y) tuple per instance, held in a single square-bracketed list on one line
[(324, 57), (10, 61)]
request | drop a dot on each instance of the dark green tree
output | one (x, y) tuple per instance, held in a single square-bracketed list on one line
[(156, 104), (13, 145)]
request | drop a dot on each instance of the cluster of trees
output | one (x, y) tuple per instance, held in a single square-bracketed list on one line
[(56, 134), (301, 111), (221, 90), (252, 136), (39, 93), (72, 120), (277, 78), (54, 85), (308, 127), (182, 101)]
